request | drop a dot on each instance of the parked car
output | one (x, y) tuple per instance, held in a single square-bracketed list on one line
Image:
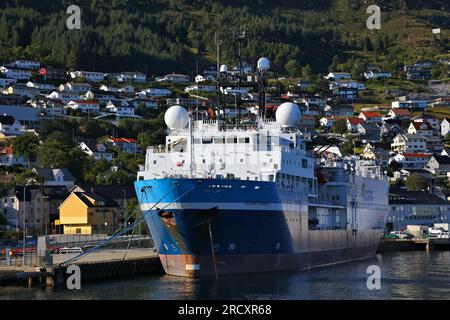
[(402, 235), (66, 250)]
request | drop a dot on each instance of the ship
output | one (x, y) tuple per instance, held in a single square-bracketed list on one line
[(222, 198)]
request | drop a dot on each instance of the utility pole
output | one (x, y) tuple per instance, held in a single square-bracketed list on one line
[(24, 222)]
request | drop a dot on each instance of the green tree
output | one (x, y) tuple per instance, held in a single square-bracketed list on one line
[(307, 73), (26, 146), (339, 127), (416, 182), (347, 148), (292, 67)]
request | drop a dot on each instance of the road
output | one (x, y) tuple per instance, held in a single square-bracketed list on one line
[(106, 255)]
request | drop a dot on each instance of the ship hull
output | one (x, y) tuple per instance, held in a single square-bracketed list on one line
[(201, 231)]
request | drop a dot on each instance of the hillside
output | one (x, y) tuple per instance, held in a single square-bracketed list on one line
[(161, 36)]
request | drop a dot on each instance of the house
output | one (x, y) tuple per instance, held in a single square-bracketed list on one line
[(121, 109), (377, 75), (310, 109), (63, 96), (434, 122), (372, 152), (390, 130), (25, 64), (346, 93), (412, 160), (147, 103), (137, 77), (410, 104), (7, 82), (56, 177), (415, 208), (22, 90), (9, 126), (307, 122), (51, 73), (84, 106), (202, 88), (43, 87), (27, 207), (371, 116), (175, 78), (445, 127), (352, 124), (338, 76), (313, 99), (18, 74), (156, 93), (90, 76), (97, 151), (186, 102), (408, 143), (8, 159), (402, 174), (434, 144), (327, 122), (445, 152), (421, 128), (125, 145), (55, 108), (370, 132), (76, 88), (87, 213), (439, 164), (399, 114), (327, 152), (339, 110), (418, 74)]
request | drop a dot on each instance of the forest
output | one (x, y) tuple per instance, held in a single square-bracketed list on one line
[(163, 36)]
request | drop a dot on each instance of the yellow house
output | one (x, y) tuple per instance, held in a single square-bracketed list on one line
[(84, 213)]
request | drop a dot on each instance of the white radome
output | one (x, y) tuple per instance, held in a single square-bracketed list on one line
[(223, 68), (288, 114), (263, 64), (176, 117)]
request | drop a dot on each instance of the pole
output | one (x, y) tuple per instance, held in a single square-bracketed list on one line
[(24, 222)]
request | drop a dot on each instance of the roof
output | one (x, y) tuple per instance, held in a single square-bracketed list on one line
[(442, 159), (50, 174), (7, 120), (401, 112), (111, 191), (107, 202), (94, 147), (371, 114), (403, 196), (355, 121), (6, 151), (422, 125)]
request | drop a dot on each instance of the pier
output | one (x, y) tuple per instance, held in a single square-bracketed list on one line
[(424, 244), (101, 265)]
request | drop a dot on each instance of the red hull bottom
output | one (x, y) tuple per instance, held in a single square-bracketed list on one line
[(207, 266)]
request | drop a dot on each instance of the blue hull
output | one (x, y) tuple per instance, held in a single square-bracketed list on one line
[(212, 227)]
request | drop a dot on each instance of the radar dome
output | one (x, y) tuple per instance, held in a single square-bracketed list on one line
[(223, 68), (263, 64), (288, 114), (176, 117)]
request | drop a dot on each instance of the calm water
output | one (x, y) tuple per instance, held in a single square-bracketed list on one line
[(405, 275)]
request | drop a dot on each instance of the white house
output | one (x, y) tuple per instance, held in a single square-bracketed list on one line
[(412, 160), (9, 126), (97, 151), (84, 106), (155, 92), (64, 96), (25, 64), (131, 77), (122, 109), (43, 87), (79, 88), (422, 128), (174, 77), (22, 90), (445, 127), (196, 87), (107, 88), (56, 177), (434, 122), (88, 75), (409, 143), (371, 116), (125, 145), (338, 76), (327, 122), (148, 103), (403, 104), (127, 90), (317, 100), (377, 74), (8, 159), (18, 74)]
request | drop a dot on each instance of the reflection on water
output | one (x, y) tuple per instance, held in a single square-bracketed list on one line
[(405, 275)]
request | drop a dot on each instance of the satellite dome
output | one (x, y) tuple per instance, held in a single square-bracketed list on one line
[(223, 68), (288, 114), (263, 64), (176, 117)]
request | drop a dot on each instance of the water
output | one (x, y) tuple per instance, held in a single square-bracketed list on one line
[(404, 275)]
